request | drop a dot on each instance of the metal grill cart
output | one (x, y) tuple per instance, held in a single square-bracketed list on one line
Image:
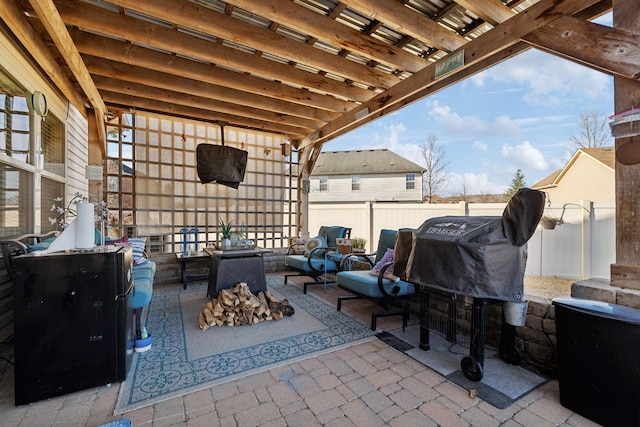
[(482, 258)]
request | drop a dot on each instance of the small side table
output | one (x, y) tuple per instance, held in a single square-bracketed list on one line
[(185, 259), (332, 256)]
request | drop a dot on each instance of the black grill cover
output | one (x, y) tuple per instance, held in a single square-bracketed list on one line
[(221, 164), (481, 256)]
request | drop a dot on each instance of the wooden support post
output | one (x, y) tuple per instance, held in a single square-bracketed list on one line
[(626, 271)]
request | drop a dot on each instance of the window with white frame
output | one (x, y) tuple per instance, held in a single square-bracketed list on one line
[(29, 167), (410, 181), (15, 127), (16, 174), (355, 182), (323, 183)]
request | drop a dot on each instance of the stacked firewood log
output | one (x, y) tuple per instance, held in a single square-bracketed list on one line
[(238, 306)]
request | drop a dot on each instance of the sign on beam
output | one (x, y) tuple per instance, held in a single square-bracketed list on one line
[(449, 63)]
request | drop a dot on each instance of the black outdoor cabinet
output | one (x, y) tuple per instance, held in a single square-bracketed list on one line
[(72, 321), (599, 360)]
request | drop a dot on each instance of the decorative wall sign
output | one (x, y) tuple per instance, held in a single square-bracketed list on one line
[(449, 63)]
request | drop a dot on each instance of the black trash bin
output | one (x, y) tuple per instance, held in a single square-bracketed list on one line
[(599, 360)]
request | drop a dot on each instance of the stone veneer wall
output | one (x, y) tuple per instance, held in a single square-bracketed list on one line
[(536, 340), (601, 290)]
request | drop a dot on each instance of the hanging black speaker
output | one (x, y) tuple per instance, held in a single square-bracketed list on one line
[(221, 164)]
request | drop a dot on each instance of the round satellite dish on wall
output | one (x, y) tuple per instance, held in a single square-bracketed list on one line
[(39, 102)]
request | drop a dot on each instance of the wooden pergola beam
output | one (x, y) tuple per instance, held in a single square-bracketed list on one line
[(324, 28), (396, 15), (200, 18), (128, 53), (492, 11), (51, 20), (31, 40), (605, 49), (443, 83), (134, 30), (199, 101), (499, 38), (130, 73), (610, 50), (174, 109)]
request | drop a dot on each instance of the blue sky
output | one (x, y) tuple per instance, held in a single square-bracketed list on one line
[(519, 114)]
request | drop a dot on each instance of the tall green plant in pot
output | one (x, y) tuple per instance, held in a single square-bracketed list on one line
[(226, 228)]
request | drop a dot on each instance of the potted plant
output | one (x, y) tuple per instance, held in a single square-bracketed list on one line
[(226, 228), (358, 244), (550, 222)]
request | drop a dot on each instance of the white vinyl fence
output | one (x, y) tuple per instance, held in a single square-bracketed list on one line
[(582, 247)]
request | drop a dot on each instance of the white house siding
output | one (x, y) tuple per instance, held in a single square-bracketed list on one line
[(77, 131), (586, 179), (22, 69), (578, 249), (379, 187)]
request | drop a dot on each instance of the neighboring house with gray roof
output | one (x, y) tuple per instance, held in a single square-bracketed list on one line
[(365, 175), (588, 175)]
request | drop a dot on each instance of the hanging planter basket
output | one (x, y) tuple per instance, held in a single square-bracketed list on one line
[(549, 223)]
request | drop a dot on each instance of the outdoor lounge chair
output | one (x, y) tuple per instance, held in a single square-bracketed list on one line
[(143, 274), (313, 262), (382, 288), (23, 244)]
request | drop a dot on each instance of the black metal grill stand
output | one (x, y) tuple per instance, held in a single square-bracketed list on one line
[(472, 365)]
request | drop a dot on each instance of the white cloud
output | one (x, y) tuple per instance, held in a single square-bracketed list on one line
[(524, 156), (391, 137), (472, 183), (471, 126), (543, 122), (480, 146), (551, 80), (388, 136)]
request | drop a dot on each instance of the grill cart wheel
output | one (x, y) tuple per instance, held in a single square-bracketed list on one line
[(471, 368)]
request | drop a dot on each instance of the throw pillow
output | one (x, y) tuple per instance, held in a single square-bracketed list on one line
[(138, 244), (315, 242), (110, 241), (388, 274), (41, 246)]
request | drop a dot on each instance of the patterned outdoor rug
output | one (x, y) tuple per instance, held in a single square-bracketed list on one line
[(183, 359)]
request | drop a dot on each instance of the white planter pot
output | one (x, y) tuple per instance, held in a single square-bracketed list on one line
[(225, 244)]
